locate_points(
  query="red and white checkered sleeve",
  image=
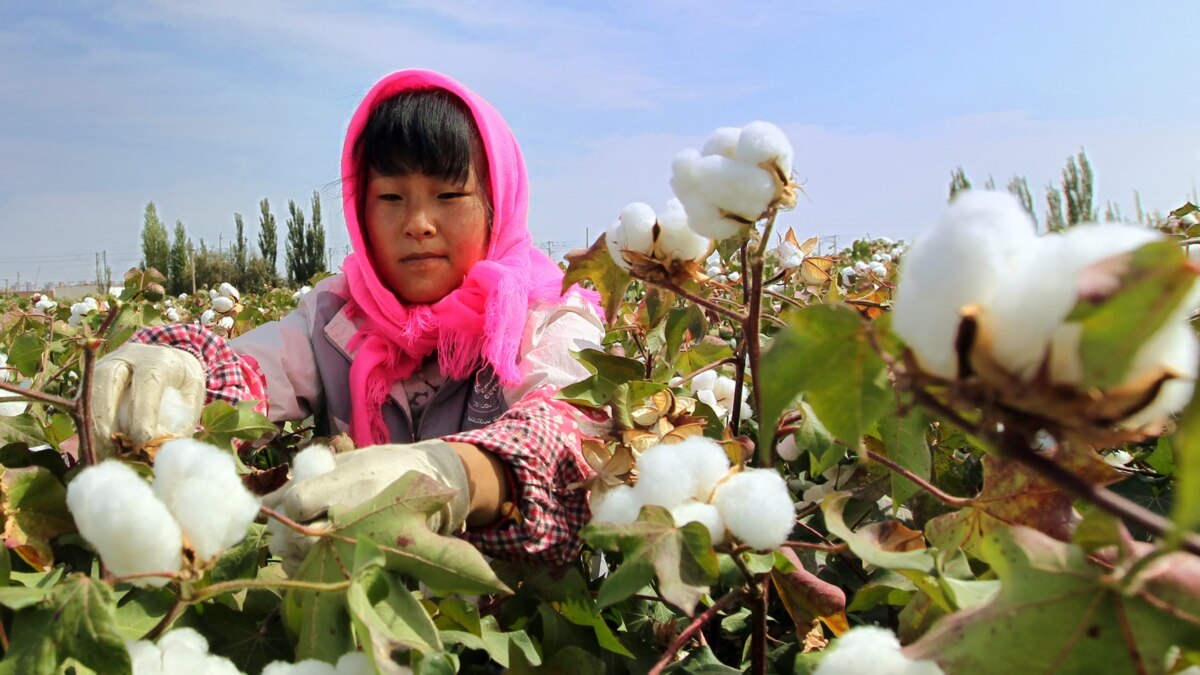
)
(231, 376)
(539, 441)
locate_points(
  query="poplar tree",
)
(239, 243)
(1019, 188)
(178, 264)
(1055, 222)
(316, 239)
(1077, 188)
(296, 249)
(155, 247)
(268, 241)
(958, 182)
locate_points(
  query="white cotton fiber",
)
(869, 649)
(145, 657)
(305, 667)
(227, 290)
(118, 513)
(757, 508)
(315, 460)
(677, 241)
(704, 459)
(199, 484)
(1174, 349)
(734, 187)
(962, 261)
(761, 143)
(632, 231)
(222, 304)
(619, 505)
(724, 141)
(176, 415)
(698, 512)
(664, 479)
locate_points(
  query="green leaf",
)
(35, 511)
(243, 560)
(140, 610)
(654, 307)
(683, 324)
(631, 395)
(1162, 460)
(221, 423)
(682, 558)
(708, 349)
(496, 643)
(865, 543)
(250, 642)
(566, 661)
(1058, 612)
(76, 621)
(1153, 280)
(387, 617)
(26, 354)
(19, 456)
(597, 266)
(609, 372)
(396, 520)
(826, 354)
(320, 619)
(904, 438)
(1186, 443)
(823, 451)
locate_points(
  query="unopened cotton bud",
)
(756, 507)
(118, 513)
(199, 484)
(222, 304)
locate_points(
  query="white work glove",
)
(360, 475)
(146, 392)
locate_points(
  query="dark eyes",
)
(452, 195)
(393, 197)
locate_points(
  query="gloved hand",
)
(361, 475)
(131, 394)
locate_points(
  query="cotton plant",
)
(82, 309)
(184, 650)
(729, 184)
(196, 502)
(717, 391)
(45, 303)
(10, 408)
(1019, 290)
(693, 479)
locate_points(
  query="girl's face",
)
(424, 233)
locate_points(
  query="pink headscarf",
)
(480, 321)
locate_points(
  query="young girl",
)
(438, 349)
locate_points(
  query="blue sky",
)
(207, 107)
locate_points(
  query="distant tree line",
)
(189, 266)
(1070, 202)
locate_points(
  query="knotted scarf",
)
(482, 321)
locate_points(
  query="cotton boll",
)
(724, 141)
(756, 507)
(207, 317)
(705, 514)
(677, 241)
(226, 323)
(761, 143)
(172, 315)
(199, 484)
(227, 290)
(961, 261)
(632, 231)
(724, 388)
(222, 304)
(869, 649)
(1175, 349)
(117, 512)
(145, 657)
(736, 188)
(704, 459)
(220, 665)
(620, 505)
(315, 460)
(788, 255)
(175, 414)
(663, 477)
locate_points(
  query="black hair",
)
(429, 131)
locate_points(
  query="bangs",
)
(428, 131)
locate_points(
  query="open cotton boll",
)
(222, 304)
(762, 143)
(704, 459)
(1176, 349)
(117, 512)
(677, 241)
(314, 460)
(186, 651)
(207, 317)
(724, 141)
(227, 290)
(664, 478)
(199, 484)
(357, 663)
(963, 260)
(705, 514)
(145, 657)
(305, 667)
(632, 231)
(870, 649)
(741, 189)
(703, 216)
(620, 505)
(756, 507)
(226, 323)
